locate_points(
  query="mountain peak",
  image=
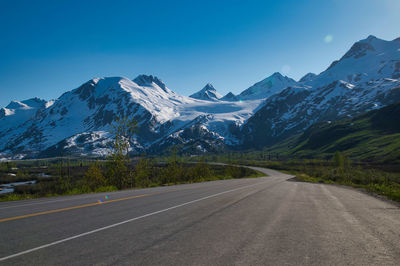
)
(267, 87)
(230, 97)
(308, 77)
(209, 87)
(361, 48)
(207, 93)
(277, 75)
(370, 38)
(17, 105)
(35, 102)
(146, 80)
(26, 104)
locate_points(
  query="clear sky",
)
(49, 47)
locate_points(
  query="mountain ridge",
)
(362, 80)
(275, 108)
(374, 135)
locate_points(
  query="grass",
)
(391, 191)
(74, 191)
(365, 176)
(373, 136)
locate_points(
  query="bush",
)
(201, 171)
(117, 172)
(94, 178)
(143, 173)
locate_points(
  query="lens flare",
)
(328, 38)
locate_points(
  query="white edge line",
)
(120, 223)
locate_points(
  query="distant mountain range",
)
(367, 77)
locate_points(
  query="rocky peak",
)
(147, 80)
(230, 97)
(207, 93)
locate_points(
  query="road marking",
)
(74, 197)
(81, 206)
(123, 222)
(46, 202)
(71, 208)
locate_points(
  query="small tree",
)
(174, 169)
(346, 161)
(201, 170)
(143, 173)
(341, 160)
(94, 178)
(63, 183)
(118, 165)
(123, 130)
(338, 160)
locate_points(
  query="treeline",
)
(148, 173)
(108, 176)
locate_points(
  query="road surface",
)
(257, 221)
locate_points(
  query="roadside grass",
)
(379, 179)
(386, 188)
(12, 196)
(74, 191)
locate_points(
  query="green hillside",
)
(372, 136)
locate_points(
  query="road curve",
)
(272, 220)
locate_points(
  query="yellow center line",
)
(87, 205)
(72, 208)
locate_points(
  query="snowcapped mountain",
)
(151, 81)
(24, 108)
(368, 59)
(16, 114)
(267, 87)
(208, 93)
(78, 122)
(230, 97)
(365, 78)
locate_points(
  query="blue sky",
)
(49, 47)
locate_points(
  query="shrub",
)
(94, 178)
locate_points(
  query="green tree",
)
(143, 172)
(63, 184)
(94, 178)
(117, 172)
(174, 170)
(118, 165)
(346, 161)
(123, 129)
(338, 160)
(201, 170)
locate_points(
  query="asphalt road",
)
(260, 221)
